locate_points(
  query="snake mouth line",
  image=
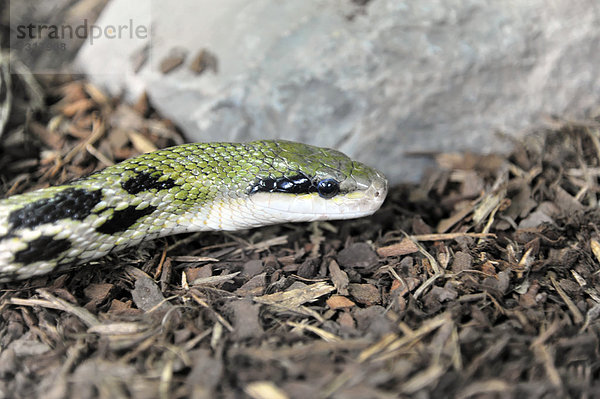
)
(310, 207)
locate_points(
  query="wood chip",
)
(214, 279)
(339, 302)
(296, 297)
(203, 61)
(367, 294)
(175, 59)
(339, 278)
(404, 247)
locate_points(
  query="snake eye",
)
(328, 188)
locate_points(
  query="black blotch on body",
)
(123, 219)
(298, 184)
(71, 203)
(42, 248)
(145, 181)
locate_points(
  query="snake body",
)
(187, 188)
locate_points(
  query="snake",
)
(186, 188)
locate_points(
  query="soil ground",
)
(480, 281)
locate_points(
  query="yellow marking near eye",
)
(353, 195)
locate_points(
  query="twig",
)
(577, 316)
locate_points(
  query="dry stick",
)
(403, 247)
(98, 155)
(303, 310)
(577, 316)
(438, 272)
(594, 137)
(144, 345)
(220, 318)
(429, 282)
(491, 218)
(118, 328)
(166, 378)
(162, 302)
(97, 131)
(591, 291)
(400, 345)
(472, 297)
(88, 318)
(263, 390)
(17, 182)
(214, 279)
(422, 379)
(548, 361)
(582, 191)
(457, 358)
(449, 236)
(189, 345)
(327, 336)
(74, 353)
(399, 278)
(446, 224)
(489, 386)
(216, 336)
(186, 240)
(263, 245)
(594, 171)
(163, 256)
(588, 177)
(434, 264)
(34, 302)
(545, 335)
(591, 315)
(96, 94)
(193, 258)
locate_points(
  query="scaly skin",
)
(192, 187)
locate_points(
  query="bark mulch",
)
(481, 281)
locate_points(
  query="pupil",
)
(328, 188)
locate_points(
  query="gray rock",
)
(375, 81)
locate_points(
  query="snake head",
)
(306, 183)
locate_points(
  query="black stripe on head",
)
(297, 184)
(42, 248)
(123, 219)
(72, 203)
(146, 181)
